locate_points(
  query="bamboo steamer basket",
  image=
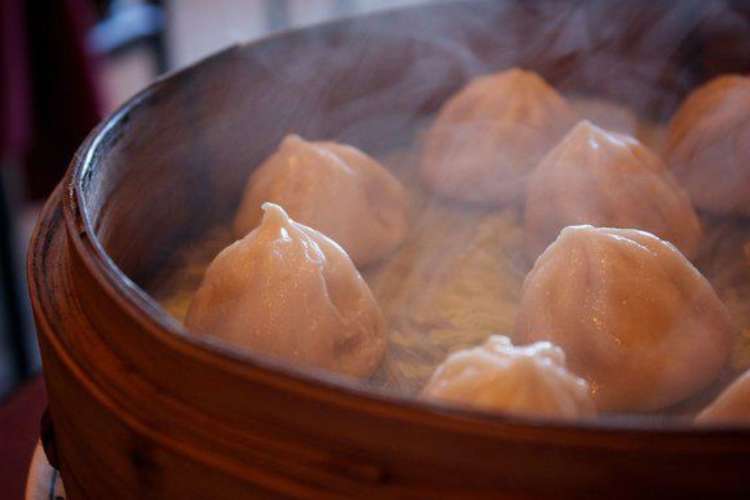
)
(141, 409)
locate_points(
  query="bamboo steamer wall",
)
(142, 410)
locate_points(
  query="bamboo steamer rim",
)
(606, 433)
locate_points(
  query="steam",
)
(639, 60)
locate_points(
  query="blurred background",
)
(65, 65)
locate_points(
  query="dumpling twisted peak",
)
(633, 315)
(531, 380)
(288, 291)
(335, 189)
(490, 135)
(606, 179)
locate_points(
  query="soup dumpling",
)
(606, 179)
(288, 291)
(489, 136)
(708, 145)
(333, 188)
(531, 380)
(633, 315)
(732, 405)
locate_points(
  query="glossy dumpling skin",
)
(732, 406)
(288, 291)
(529, 380)
(489, 136)
(708, 145)
(333, 188)
(633, 315)
(606, 179)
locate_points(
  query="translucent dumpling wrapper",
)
(633, 315)
(708, 145)
(606, 179)
(490, 135)
(529, 380)
(732, 406)
(288, 291)
(334, 188)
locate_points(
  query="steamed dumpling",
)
(530, 380)
(732, 405)
(606, 179)
(335, 189)
(633, 315)
(489, 136)
(288, 291)
(708, 146)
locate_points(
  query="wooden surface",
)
(143, 410)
